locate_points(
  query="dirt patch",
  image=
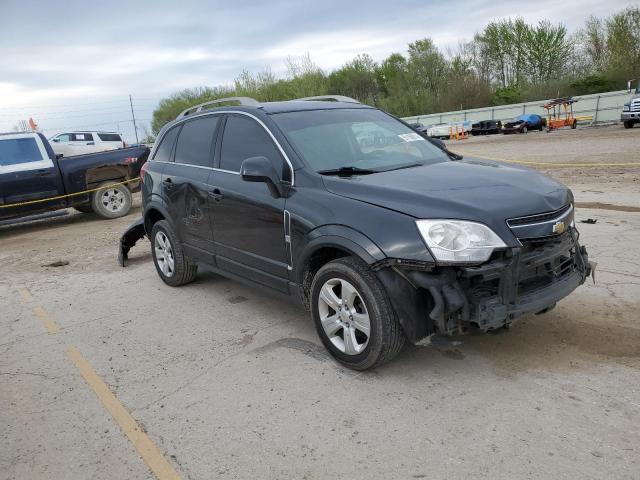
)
(608, 206)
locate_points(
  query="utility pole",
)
(133, 116)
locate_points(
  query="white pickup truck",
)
(80, 143)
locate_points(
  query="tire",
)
(111, 201)
(574, 125)
(368, 305)
(168, 256)
(628, 124)
(87, 208)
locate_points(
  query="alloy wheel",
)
(344, 316)
(113, 200)
(164, 254)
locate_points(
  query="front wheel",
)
(353, 315)
(111, 201)
(628, 124)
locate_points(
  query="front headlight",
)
(626, 108)
(459, 241)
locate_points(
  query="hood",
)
(470, 189)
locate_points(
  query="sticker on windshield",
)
(410, 137)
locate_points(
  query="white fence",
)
(602, 107)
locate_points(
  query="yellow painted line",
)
(25, 295)
(554, 165)
(149, 452)
(44, 317)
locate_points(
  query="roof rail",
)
(335, 98)
(250, 102)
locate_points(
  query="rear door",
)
(248, 222)
(82, 143)
(27, 173)
(185, 185)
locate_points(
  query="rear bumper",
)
(450, 300)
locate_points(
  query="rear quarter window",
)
(109, 137)
(163, 152)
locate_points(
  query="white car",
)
(443, 130)
(80, 143)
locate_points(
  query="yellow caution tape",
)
(42, 200)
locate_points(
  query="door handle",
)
(216, 194)
(44, 173)
(91, 143)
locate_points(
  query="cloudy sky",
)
(72, 65)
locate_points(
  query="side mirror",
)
(55, 140)
(260, 169)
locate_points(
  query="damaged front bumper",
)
(135, 232)
(453, 299)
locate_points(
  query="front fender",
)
(342, 237)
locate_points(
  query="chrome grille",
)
(635, 105)
(538, 217)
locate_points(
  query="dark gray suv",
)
(382, 234)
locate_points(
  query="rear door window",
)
(163, 152)
(195, 142)
(244, 138)
(81, 137)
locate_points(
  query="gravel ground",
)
(229, 382)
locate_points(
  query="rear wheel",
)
(353, 315)
(111, 201)
(168, 257)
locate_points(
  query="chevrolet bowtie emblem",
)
(558, 228)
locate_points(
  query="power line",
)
(54, 105)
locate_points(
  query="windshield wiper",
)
(347, 171)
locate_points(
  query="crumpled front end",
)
(521, 280)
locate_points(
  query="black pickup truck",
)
(34, 180)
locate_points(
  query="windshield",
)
(360, 138)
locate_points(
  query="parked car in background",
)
(31, 173)
(80, 143)
(443, 130)
(384, 242)
(524, 123)
(631, 110)
(486, 127)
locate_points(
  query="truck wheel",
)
(84, 208)
(353, 315)
(168, 257)
(628, 124)
(111, 201)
